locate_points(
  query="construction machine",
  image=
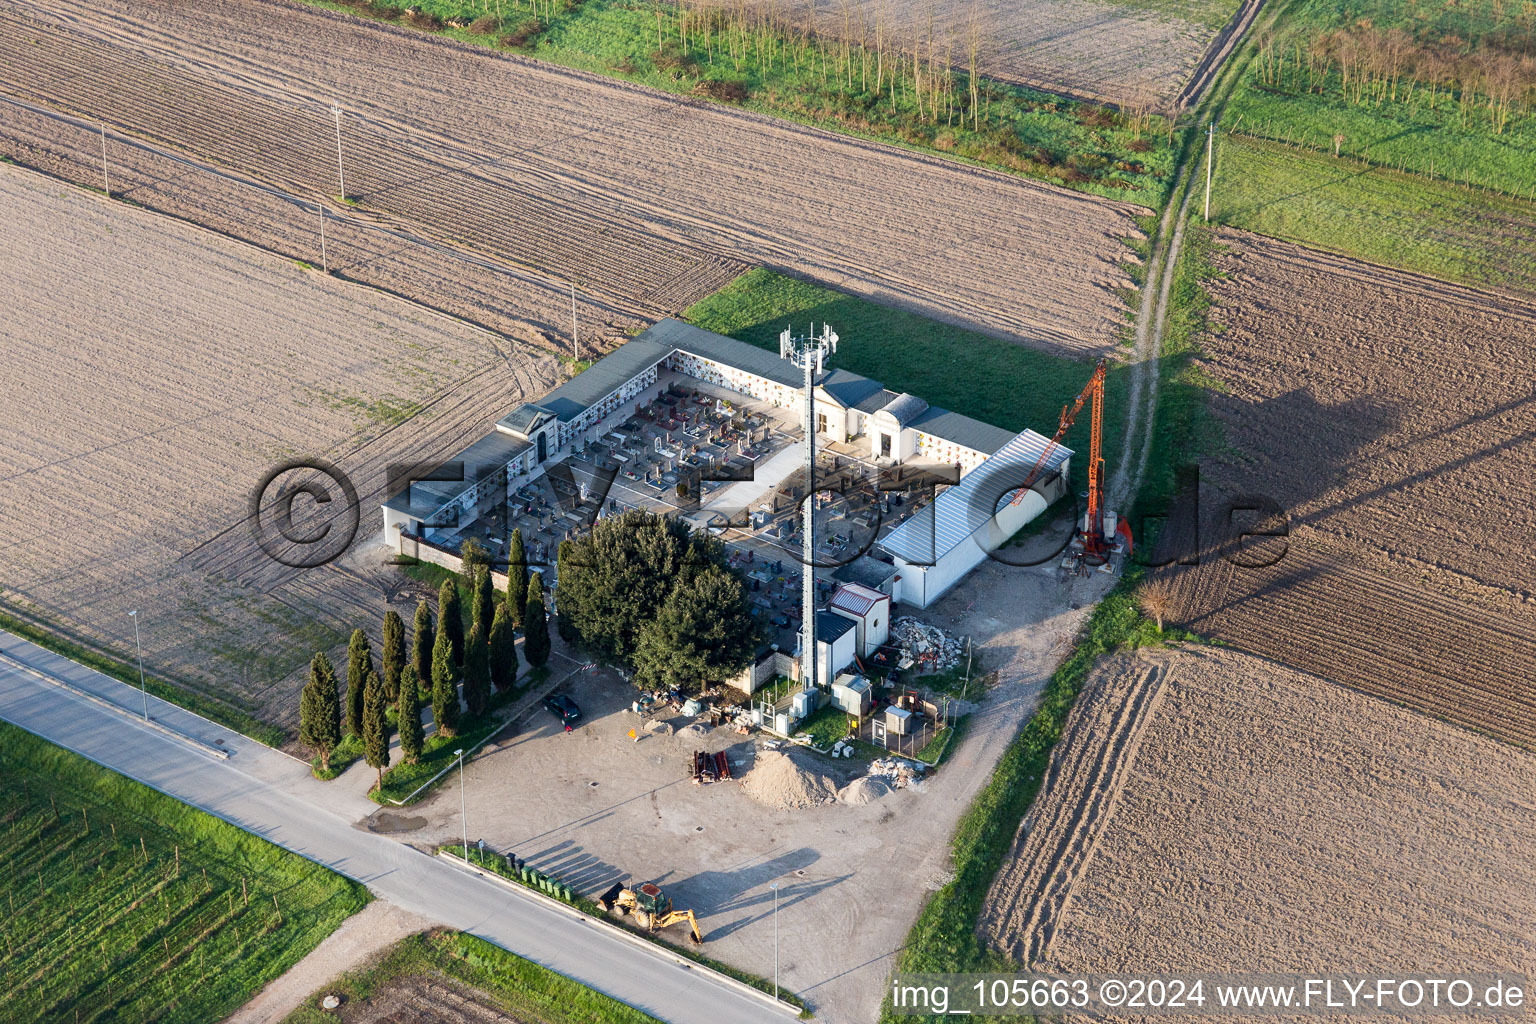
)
(651, 907)
(1096, 547)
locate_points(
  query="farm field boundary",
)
(647, 228)
(1056, 842)
(1403, 402)
(1273, 820)
(437, 277)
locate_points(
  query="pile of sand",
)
(777, 781)
(656, 728)
(863, 790)
(696, 731)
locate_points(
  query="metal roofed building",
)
(870, 612)
(488, 463)
(849, 406)
(951, 535)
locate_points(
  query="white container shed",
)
(953, 533)
(834, 647)
(870, 612)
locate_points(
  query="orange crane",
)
(1095, 545)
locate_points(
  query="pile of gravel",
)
(777, 781)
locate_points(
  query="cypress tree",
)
(501, 651)
(320, 710)
(445, 689)
(563, 599)
(517, 577)
(484, 602)
(477, 672)
(536, 586)
(409, 716)
(450, 620)
(375, 726)
(421, 645)
(359, 664)
(392, 660)
(535, 632)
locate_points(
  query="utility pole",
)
(1210, 148)
(967, 687)
(105, 184)
(463, 813)
(325, 263)
(144, 692)
(775, 887)
(342, 178)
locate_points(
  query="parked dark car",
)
(563, 708)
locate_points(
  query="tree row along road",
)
(264, 791)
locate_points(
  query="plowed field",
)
(1131, 54)
(1394, 419)
(645, 200)
(1211, 811)
(153, 373)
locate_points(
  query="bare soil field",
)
(153, 373)
(1139, 55)
(422, 999)
(1212, 811)
(646, 200)
(1392, 417)
(522, 304)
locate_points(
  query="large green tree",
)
(477, 672)
(392, 658)
(517, 577)
(501, 650)
(320, 710)
(445, 686)
(421, 645)
(359, 664)
(613, 581)
(408, 715)
(450, 619)
(702, 633)
(375, 726)
(484, 602)
(535, 634)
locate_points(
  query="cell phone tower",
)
(809, 352)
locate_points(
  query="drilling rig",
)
(1095, 545)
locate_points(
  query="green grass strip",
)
(520, 988)
(780, 71)
(124, 904)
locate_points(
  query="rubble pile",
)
(863, 790)
(898, 771)
(927, 646)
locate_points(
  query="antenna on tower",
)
(809, 352)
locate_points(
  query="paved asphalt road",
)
(272, 795)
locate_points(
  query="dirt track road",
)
(630, 192)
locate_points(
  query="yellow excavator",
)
(652, 908)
